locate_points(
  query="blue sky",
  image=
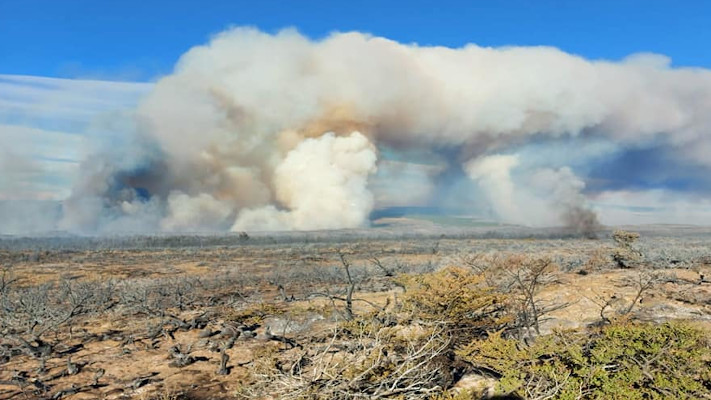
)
(141, 40)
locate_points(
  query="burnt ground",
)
(198, 320)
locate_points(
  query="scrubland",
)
(347, 316)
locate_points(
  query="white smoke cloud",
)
(247, 86)
(494, 174)
(538, 197)
(322, 184)
(202, 212)
(237, 135)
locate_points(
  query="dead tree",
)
(389, 272)
(351, 285)
(7, 278)
(643, 282)
(526, 277)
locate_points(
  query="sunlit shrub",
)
(619, 361)
(457, 299)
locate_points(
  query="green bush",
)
(619, 361)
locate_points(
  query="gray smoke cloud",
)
(255, 131)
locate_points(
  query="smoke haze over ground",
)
(255, 131)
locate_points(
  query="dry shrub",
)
(598, 260)
(521, 278)
(625, 255)
(457, 299)
(374, 363)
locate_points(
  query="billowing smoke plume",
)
(322, 185)
(543, 196)
(494, 175)
(260, 132)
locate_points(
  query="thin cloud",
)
(46, 126)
